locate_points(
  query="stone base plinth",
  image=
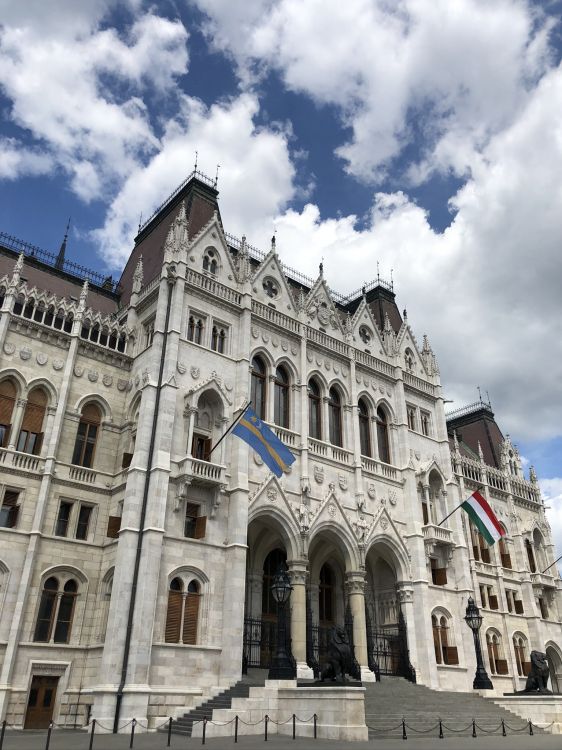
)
(340, 711)
(542, 710)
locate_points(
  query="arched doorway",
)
(267, 545)
(387, 642)
(555, 669)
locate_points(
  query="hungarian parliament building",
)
(137, 559)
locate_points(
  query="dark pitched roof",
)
(476, 424)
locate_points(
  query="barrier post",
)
(315, 727)
(266, 722)
(440, 730)
(474, 727)
(49, 730)
(169, 731)
(2, 732)
(404, 735)
(294, 726)
(204, 729)
(503, 728)
(530, 727)
(236, 728)
(92, 732)
(133, 725)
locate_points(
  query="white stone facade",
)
(360, 515)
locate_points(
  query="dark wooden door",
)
(41, 702)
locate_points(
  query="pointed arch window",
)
(56, 611)
(174, 615)
(281, 400)
(530, 556)
(86, 436)
(409, 360)
(445, 652)
(218, 339)
(364, 428)
(383, 441)
(258, 388)
(498, 664)
(7, 402)
(31, 433)
(335, 417)
(210, 261)
(520, 648)
(314, 410)
(504, 551)
(191, 615)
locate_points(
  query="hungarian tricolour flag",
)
(483, 517)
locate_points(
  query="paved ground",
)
(70, 740)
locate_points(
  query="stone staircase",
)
(388, 701)
(184, 724)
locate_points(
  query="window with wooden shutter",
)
(113, 526)
(7, 402)
(191, 617)
(200, 527)
(190, 524)
(450, 654)
(86, 436)
(518, 607)
(439, 576)
(31, 432)
(493, 601)
(173, 618)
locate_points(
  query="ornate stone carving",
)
(9, 348)
(361, 529)
(392, 497)
(257, 459)
(195, 372)
(93, 376)
(121, 384)
(25, 353)
(271, 494)
(332, 509)
(384, 523)
(41, 358)
(58, 364)
(342, 481)
(372, 490)
(181, 367)
(318, 474)
(107, 380)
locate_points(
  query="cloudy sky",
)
(422, 134)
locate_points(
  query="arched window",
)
(86, 437)
(364, 428)
(314, 410)
(530, 556)
(281, 401)
(480, 546)
(409, 360)
(195, 329)
(326, 596)
(56, 610)
(382, 436)
(540, 558)
(335, 415)
(218, 339)
(520, 648)
(445, 652)
(31, 433)
(175, 606)
(7, 401)
(504, 551)
(191, 616)
(412, 421)
(498, 664)
(210, 261)
(258, 390)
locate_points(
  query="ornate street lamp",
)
(473, 619)
(282, 665)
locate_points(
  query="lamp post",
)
(282, 666)
(473, 619)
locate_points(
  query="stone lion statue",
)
(538, 676)
(339, 656)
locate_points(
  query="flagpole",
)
(550, 566)
(450, 514)
(222, 437)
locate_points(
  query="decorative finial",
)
(195, 165)
(405, 314)
(138, 276)
(391, 279)
(364, 290)
(488, 398)
(59, 263)
(217, 176)
(480, 452)
(378, 275)
(321, 267)
(18, 268)
(84, 294)
(140, 221)
(479, 393)
(273, 243)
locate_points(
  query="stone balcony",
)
(93, 478)
(379, 469)
(197, 471)
(544, 580)
(22, 462)
(437, 536)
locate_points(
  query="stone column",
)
(355, 585)
(189, 413)
(298, 570)
(17, 419)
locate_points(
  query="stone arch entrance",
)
(268, 549)
(555, 668)
(387, 642)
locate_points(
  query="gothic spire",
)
(59, 263)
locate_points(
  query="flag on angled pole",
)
(483, 517)
(264, 441)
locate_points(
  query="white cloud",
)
(77, 88)
(552, 493)
(460, 71)
(255, 171)
(17, 160)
